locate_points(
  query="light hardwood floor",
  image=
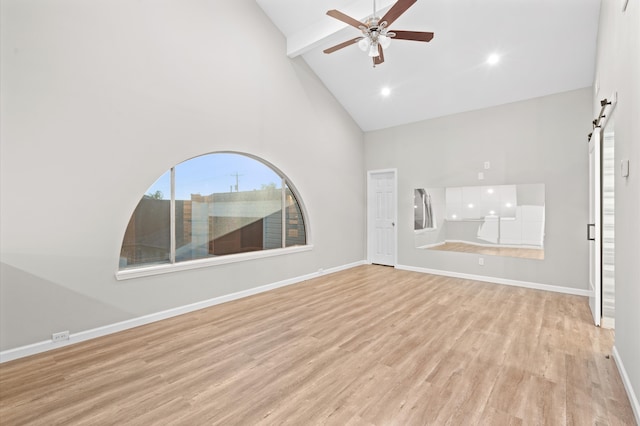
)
(367, 346)
(526, 253)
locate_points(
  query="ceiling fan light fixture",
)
(384, 41)
(373, 50)
(364, 44)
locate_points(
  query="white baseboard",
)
(495, 280)
(608, 323)
(47, 345)
(633, 399)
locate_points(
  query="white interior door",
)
(381, 196)
(594, 232)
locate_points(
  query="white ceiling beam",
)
(325, 27)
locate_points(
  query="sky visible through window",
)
(216, 173)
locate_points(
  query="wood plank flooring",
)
(525, 253)
(367, 346)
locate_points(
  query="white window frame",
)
(174, 266)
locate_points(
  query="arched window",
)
(214, 205)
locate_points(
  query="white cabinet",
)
(478, 202)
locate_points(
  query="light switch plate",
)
(480, 176)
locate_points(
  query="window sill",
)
(147, 271)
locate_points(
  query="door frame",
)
(370, 221)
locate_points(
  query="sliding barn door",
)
(594, 228)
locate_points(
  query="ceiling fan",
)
(376, 35)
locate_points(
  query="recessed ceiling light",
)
(493, 59)
(386, 91)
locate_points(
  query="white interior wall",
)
(541, 140)
(99, 99)
(617, 70)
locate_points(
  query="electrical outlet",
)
(59, 337)
(481, 261)
(487, 165)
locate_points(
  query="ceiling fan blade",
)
(345, 18)
(377, 60)
(396, 10)
(412, 35)
(341, 45)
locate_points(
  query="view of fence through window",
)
(224, 203)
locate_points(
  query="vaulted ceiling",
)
(544, 46)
